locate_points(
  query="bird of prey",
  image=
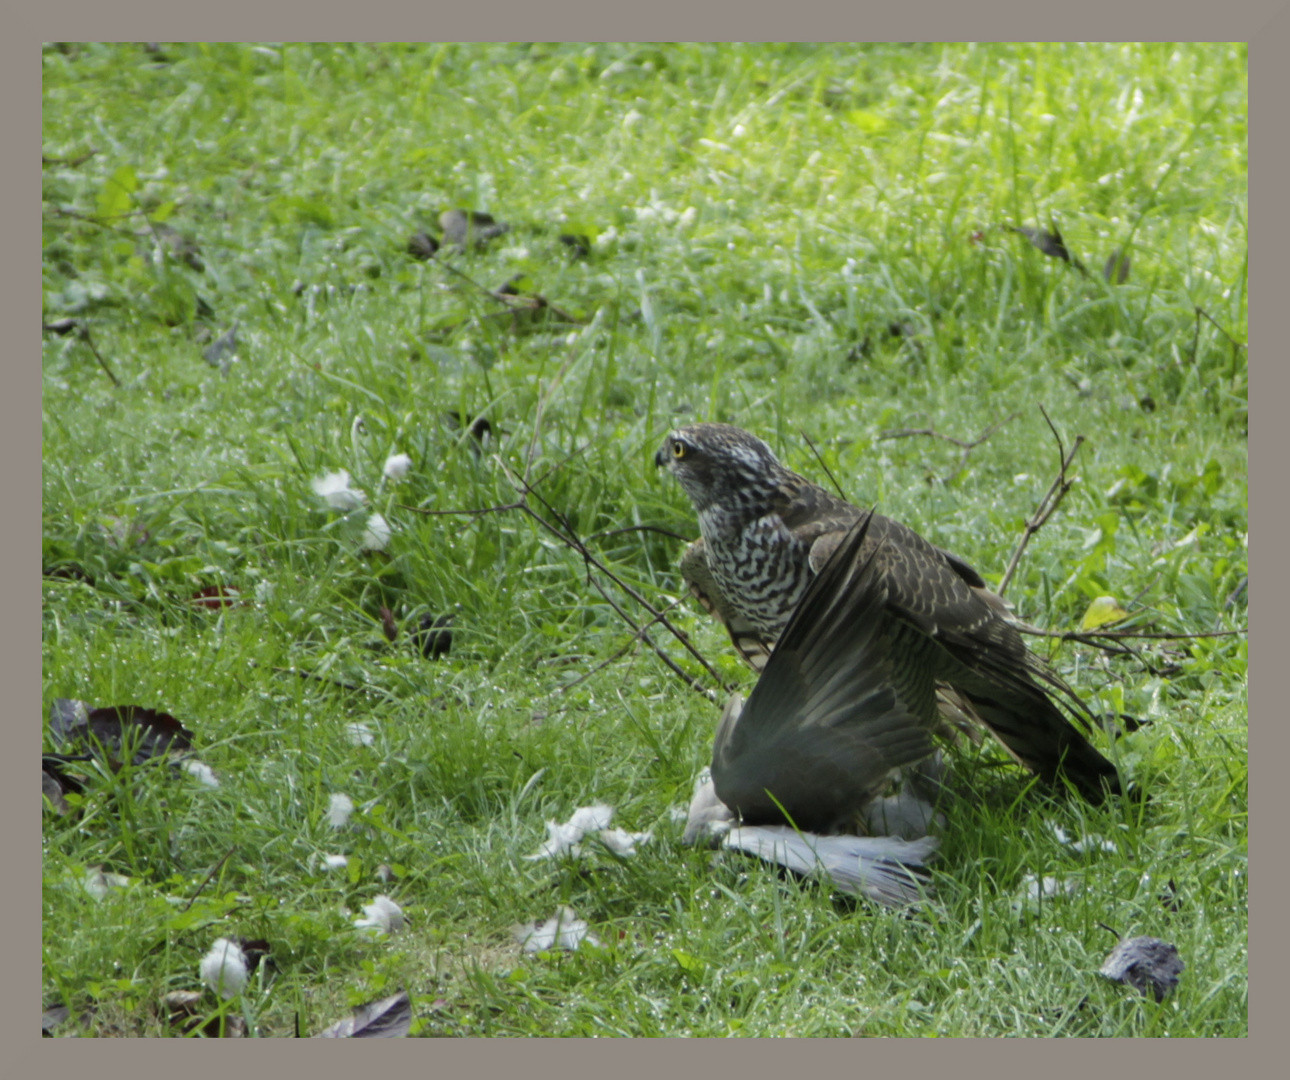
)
(767, 533)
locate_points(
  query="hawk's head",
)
(720, 465)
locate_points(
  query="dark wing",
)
(848, 696)
(748, 641)
(986, 661)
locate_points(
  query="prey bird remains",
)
(945, 642)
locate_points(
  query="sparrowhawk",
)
(767, 532)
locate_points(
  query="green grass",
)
(762, 216)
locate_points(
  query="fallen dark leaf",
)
(1050, 243)
(53, 1017)
(74, 725)
(61, 327)
(1170, 897)
(1148, 404)
(859, 352)
(388, 626)
(422, 246)
(389, 1018)
(478, 426)
(579, 247)
(185, 1009)
(182, 1003)
(219, 353)
(510, 287)
(1149, 965)
(434, 637)
(184, 248)
(71, 163)
(469, 227)
(1122, 724)
(216, 597)
(1116, 270)
(52, 789)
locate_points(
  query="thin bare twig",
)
(827, 472)
(637, 636)
(1103, 639)
(84, 334)
(1086, 636)
(965, 445)
(636, 528)
(71, 163)
(327, 679)
(562, 463)
(568, 536)
(459, 513)
(642, 632)
(90, 219)
(1149, 586)
(1237, 346)
(514, 305)
(1051, 500)
(471, 281)
(207, 879)
(1202, 313)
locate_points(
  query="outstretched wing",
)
(847, 696)
(984, 657)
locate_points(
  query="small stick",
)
(1085, 636)
(470, 280)
(637, 636)
(689, 681)
(90, 219)
(638, 528)
(69, 162)
(85, 337)
(571, 540)
(459, 513)
(561, 464)
(567, 536)
(1201, 312)
(964, 445)
(832, 479)
(1051, 500)
(1237, 346)
(207, 879)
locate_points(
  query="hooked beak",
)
(659, 459)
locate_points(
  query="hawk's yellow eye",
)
(678, 449)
